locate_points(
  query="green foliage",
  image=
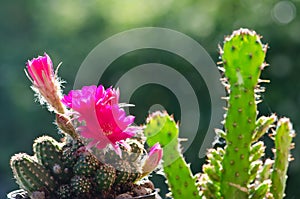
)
(162, 128)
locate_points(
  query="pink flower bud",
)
(40, 72)
(153, 159)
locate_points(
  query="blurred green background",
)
(68, 30)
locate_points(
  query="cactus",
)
(81, 186)
(105, 177)
(86, 165)
(69, 170)
(243, 56)
(64, 192)
(30, 175)
(49, 154)
(238, 170)
(283, 143)
(162, 128)
(243, 172)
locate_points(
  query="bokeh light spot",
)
(284, 12)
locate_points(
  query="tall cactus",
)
(238, 170)
(243, 56)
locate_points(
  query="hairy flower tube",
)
(104, 122)
(153, 159)
(45, 84)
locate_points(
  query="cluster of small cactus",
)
(101, 153)
(239, 169)
(68, 169)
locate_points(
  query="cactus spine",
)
(162, 128)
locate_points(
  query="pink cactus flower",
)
(41, 74)
(153, 159)
(105, 122)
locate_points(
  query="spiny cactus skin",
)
(64, 192)
(243, 55)
(71, 151)
(162, 128)
(86, 165)
(105, 177)
(48, 153)
(81, 186)
(30, 175)
(283, 143)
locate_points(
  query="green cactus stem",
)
(162, 128)
(30, 175)
(283, 143)
(243, 56)
(49, 153)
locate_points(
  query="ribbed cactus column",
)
(243, 56)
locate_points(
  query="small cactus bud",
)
(66, 125)
(153, 159)
(45, 83)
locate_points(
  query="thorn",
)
(225, 98)
(258, 101)
(222, 69)
(263, 81)
(57, 68)
(220, 49)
